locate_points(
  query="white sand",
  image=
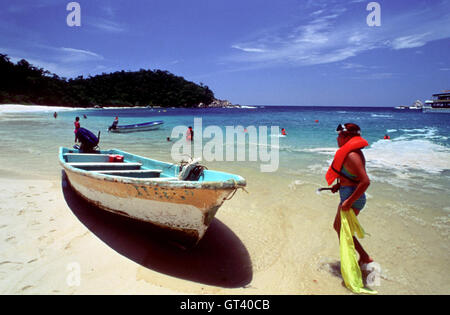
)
(15, 108)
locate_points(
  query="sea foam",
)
(405, 155)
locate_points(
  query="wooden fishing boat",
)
(151, 125)
(149, 190)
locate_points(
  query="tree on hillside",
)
(24, 83)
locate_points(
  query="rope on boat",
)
(236, 187)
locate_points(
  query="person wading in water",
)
(349, 167)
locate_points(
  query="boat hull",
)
(179, 209)
(137, 127)
(437, 110)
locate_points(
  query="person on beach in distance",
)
(190, 134)
(77, 127)
(55, 114)
(352, 178)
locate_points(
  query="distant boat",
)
(439, 104)
(152, 125)
(248, 107)
(151, 191)
(417, 105)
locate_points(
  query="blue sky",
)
(289, 52)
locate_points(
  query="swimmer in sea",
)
(190, 134)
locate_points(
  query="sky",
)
(250, 52)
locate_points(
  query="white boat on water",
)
(418, 105)
(439, 104)
(248, 107)
(152, 125)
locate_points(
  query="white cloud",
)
(335, 33)
(247, 49)
(411, 41)
(106, 25)
(63, 61)
(81, 52)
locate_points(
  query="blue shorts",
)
(346, 191)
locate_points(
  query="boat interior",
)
(106, 165)
(119, 163)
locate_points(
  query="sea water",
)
(416, 159)
(410, 174)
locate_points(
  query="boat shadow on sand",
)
(219, 259)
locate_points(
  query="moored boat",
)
(417, 105)
(439, 104)
(150, 190)
(151, 125)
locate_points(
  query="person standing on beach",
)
(349, 167)
(77, 127)
(55, 114)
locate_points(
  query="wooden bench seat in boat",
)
(133, 173)
(106, 166)
(86, 157)
(141, 174)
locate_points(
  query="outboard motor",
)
(88, 140)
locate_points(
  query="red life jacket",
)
(353, 144)
(189, 135)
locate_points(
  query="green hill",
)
(23, 83)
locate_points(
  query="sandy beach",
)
(46, 229)
(278, 239)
